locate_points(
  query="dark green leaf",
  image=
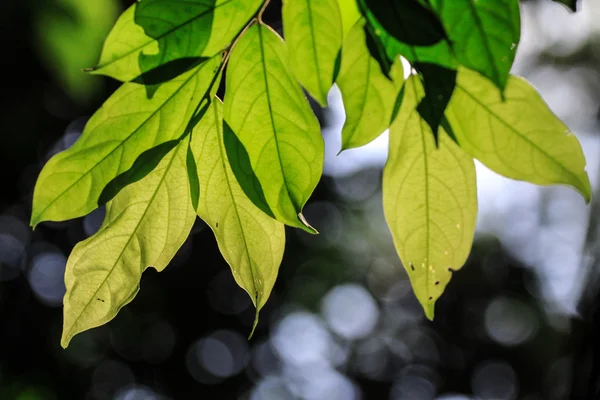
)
(192, 171)
(484, 34)
(142, 166)
(439, 83)
(378, 51)
(408, 21)
(571, 4)
(438, 53)
(241, 167)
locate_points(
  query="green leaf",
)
(69, 36)
(272, 119)
(436, 63)
(313, 32)
(145, 225)
(438, 53)
(484, 33)
(155, 32)
(439, 83)
(128, 124)
(520, 137)
(251, 242)
(368, 96)
(350, 14)
(429, 200)
(570, 4)
(408, 21)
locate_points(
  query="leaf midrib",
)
(484, 37)
(426, 192)
(276, 139)
(237, 215)
(136, 49)
(314, 48)
(525, 138)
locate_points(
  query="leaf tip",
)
(306, 226)
(254, 325)
(429, 309)
(586, 189)
(34, 221)
(65, 340)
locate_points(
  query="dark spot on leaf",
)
(99, 299)
(437, 283)
(412, 267)
(430, 298)
(217, 225)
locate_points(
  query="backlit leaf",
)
(145, 225)
(129, 123)
(271, 119)
(368, 96)
(350, 14)
(250, 241)
(155, 32)
(313, 32)
(435, 63)
(484, 33)
(520, 137)
(429, 200)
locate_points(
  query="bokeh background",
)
(519, 321)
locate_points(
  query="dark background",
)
(342, 322)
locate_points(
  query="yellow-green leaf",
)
(520, 137)
(129, 123)
(429, 200)
(145, 225)
(368, 96)
(350, 14)
(251, 242)
(141, 41)
(274, 125)
(313, 32)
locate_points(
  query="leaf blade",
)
(195, 28)
(368, 96)
(485, 34)
(429, 200)
(313, 31)
(128, 123)
(139, 231)
(536, 146)
(251, 242)
(272, 120)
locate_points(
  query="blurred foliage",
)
(70, 34)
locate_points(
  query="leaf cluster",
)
(164, 149)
